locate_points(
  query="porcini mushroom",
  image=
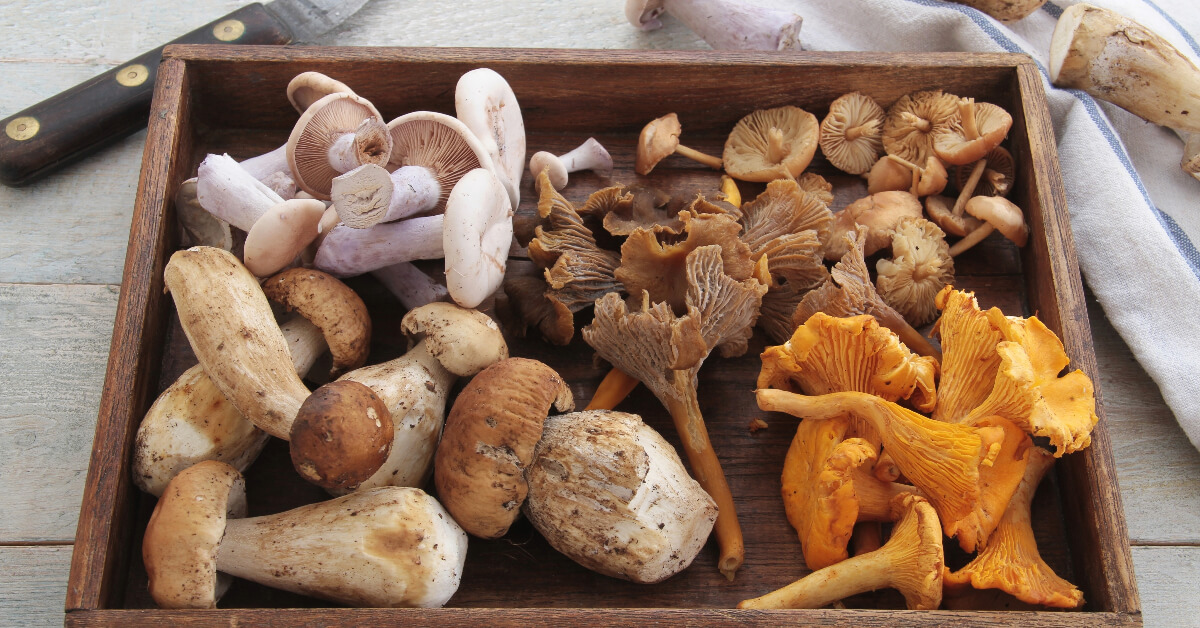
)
(771, 144)
(723, 24)
(489, 440)
(485, 102)
(612, 494)
(386, 547)
(920, 266)
(590, 155)
(1005, 10)
(659, 139)
(335, 134)
(879, 213)
(911, 561)
(851, 133)
(997, 214)
(908, 127)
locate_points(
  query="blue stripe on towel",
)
(1054, 10)
(1182, 243)
(1176, 25)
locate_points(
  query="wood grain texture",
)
(53, 340)
(32, 583)
(1168, 578)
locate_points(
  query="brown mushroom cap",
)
(658, 139)
(309, 87)
(851, 133)
(920, 267)
(342, 435)
(321, 125)
(908, 128)
(489, 439)
(998, 174)
(184, 532)
(888, 175)
(330, 305)
(968, 137)
(440, 143)
(771, 144)
(879, 213)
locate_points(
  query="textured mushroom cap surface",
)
(879, 213)
(998, 174)
(915, 547)
(908, 128)
(342, 435)
(330, 305)
(816, 185)
(281, 234)
(658, 139)
(439, 142)
(464, 341)
(919, 268)
(969, 357)
(489, 439)
(960, 140)
(307, 88)
(1011, 561)
(476, 237)
(771, 144)
(485, 102)
(1002, 214)
(185, 530)
(851, 133)
(613, 495)
(322, 124)
(828, 354)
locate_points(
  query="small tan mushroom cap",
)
(440, 143)
(330, 305)
(816, 185)
(908, 128)
(658, 139)
(771, 144)
(464, 341)
(341, 436)
(309, 87)
(851, 134)
(918, 270)
(879, 213)
(489, 440)
(1002, 214)
(967, 138)
(322, 124)
(185, 530)
(281, 234)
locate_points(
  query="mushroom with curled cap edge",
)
(281, 234)
(431, 152)
(770, 144)
(723, 24)
(997, 214)
(1121, 61)
(485, 102)
(233, 333)
(892, 173)
(336, 134)
(911, 561)
(920, 266)
(908, 127)
(476, 237)
(307, 88)
(879, 213)
(590, 155)
(997, 176)
(659, 139)
(652, 516)
(851, 133)
(388, 547)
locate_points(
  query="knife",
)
(115, 104)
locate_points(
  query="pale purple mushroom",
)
(590, 155)
(485, 102)
(723, 24)
(410, 285)
(230, 193)
(273, 171)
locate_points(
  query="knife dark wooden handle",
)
(106, 108)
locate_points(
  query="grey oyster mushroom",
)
(388, 547)
(485, 102)
(590, 155)
(723, 24)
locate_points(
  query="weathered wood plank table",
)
(62, 246)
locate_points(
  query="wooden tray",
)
(231, 99)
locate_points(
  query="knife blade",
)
(75, 123)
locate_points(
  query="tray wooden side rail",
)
(230, 99)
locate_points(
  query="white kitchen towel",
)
(1134, 213)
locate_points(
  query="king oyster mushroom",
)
(485, 102)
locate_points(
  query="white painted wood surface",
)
(62, 246)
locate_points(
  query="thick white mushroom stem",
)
(352, 150)
(231, 193)
(346, 251)
(369, 195)
(590, 155)
(724, 24)
(273, 171)
(388, 547)
(412, 287)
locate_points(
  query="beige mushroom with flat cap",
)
(590, 155)
(485, 102)
(920, 266)
(851, 133)
(336, 134)
(1121, 61)
(769, 144)
(388, 547)
(908, 127)
(660, 139)
(997, 214)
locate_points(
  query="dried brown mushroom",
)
(879, 213)
(851, 133)
(919, 268)
(816, 185)
(771, 144)
(908, 128)
(659, 139)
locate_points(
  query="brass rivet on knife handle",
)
(133, 75)
(229, 30)
(23, 128)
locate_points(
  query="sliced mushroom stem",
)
(346, 251)
(231, 193)
(412, 287)
(351, 150)
(972, 238)
(369, 195)
(695, 155)
(613, 389)
(689, 423)
(969, 187)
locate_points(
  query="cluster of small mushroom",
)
(968, 470)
